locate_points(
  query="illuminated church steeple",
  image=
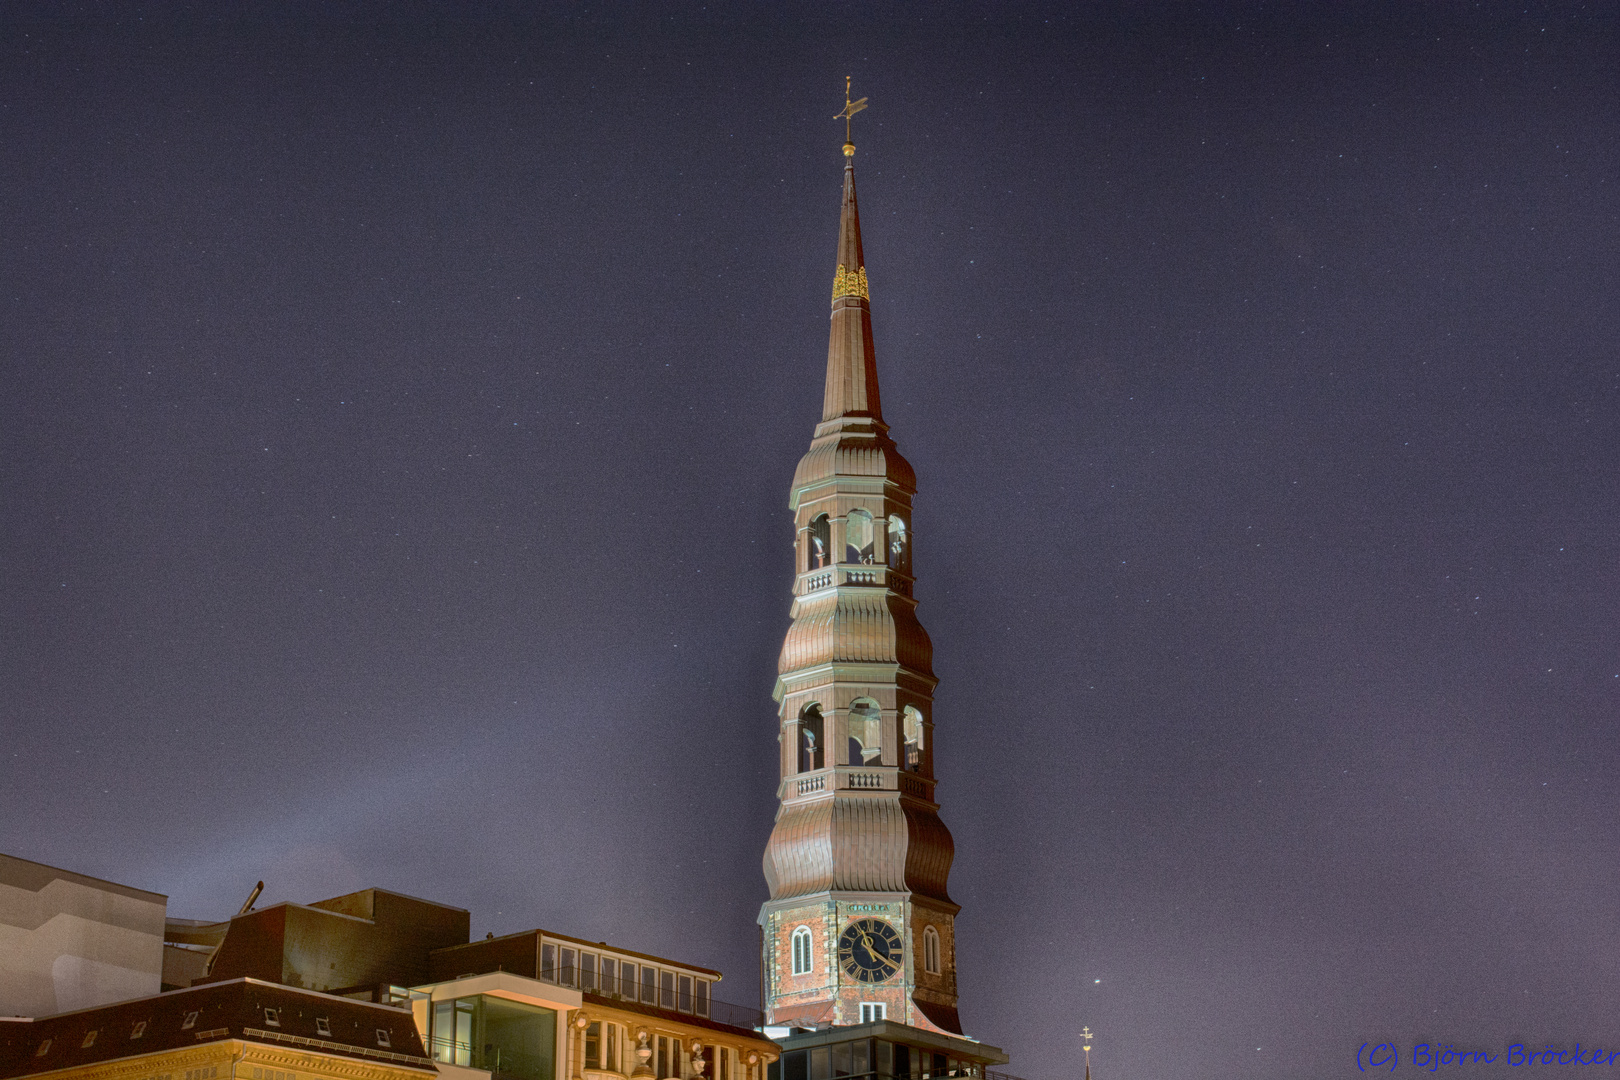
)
(859, 925)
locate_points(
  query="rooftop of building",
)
(247, 1009)
(33, 876)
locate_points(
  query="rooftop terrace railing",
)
(684, 995)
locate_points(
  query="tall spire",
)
(852, 384)
(860, 922)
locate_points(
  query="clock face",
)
(869, 950)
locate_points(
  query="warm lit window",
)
(930, 950)
(801, 951)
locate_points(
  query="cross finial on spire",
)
(1085, 1033)
(850, 109)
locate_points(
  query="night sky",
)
(400, 405)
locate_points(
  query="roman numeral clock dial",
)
(869, 951)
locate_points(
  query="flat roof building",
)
(70, 941)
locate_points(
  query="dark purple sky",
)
(400, 408)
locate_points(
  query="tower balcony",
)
(856, 778)
(857, 575)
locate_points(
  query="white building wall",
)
(69, 942)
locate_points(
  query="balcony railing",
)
(694, 999)
(865, 574)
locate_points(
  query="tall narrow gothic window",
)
(930, 950)
(801, 951)
(858, 537)
(812, 749)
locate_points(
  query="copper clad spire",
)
(852, 384)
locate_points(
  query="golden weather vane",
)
(1085, 1033)
(850, 109)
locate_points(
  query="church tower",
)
(859, 925)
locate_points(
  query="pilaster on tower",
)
(859, 921)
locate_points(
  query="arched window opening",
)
(858, 537)
(801, 951)
(865, 731)
(899, 544)
(820, 541)
(911, 728)
(812, 748)
(930, 950)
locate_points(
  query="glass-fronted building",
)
(880, 1051)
